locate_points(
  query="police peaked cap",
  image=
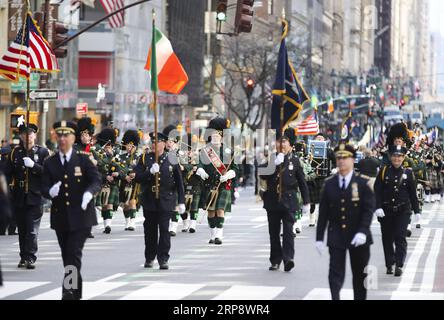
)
(31, 127)
(65, 127)
(345, 150)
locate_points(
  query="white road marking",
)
(430, 266)
(163, 291)
(324, 294)
(13, 287)
(249, 293)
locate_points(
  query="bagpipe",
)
(317, 156)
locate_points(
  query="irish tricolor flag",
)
(167, 73)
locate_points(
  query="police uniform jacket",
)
(81, 176)
(395, 190)
(345, 213)
(15, 170)
(171, 185)
(292, 182)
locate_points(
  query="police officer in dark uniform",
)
(346, 211)
(396, 197)
(5, 210)
(24, 168)
(158, 211)
(280, 201)
(70, 179)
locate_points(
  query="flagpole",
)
(156, 152)
(281, 129)
(26, 30)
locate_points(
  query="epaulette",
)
(83, 152)
(329, 178)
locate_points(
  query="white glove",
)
(334, 171)
(380, 213)
(417, 218)
(359, 240)
(320, 247)
(55, 189)
(306, 209)
(28, 162)
(227, 176)
(87, 197)
(236, 195)
(279, 159)
(181, 208)
(154, 168)
(202, 174)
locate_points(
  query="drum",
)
(317, 152)
(420, 193)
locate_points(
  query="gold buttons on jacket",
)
(342, 209)
(344, 226)
(342, 200)
(67, 203)
(66, 185)
(65, 176)
(66, 194)
(343, 217)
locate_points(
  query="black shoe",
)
(274, 267)
(211, 241)
(172, 233)
(131, 229)
(409, 233)
(217, 241)
(398, 272)
(21, 264)
(312, 225)
(163, 266)
(191, 230)
(298, 230)
(288, 265)
(389, 270)
(418, 226)
(126, 229)
(12, 233)
(68, 295)
(30, 265)
(149, 264)
(90, 236)
(107, 230)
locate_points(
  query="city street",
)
(113, 264)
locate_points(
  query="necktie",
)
(65, 162)
(343, 184)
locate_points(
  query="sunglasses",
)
(62, 135)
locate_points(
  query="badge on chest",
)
(77, 172)
(355, 192)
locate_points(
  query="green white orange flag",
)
(164, 65)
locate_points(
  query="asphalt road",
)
(113, 264)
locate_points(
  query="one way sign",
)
(44, 94)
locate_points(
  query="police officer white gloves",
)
(55, 189)
(154, 168)
(279, 159)
(334, 171)
(417, 218)
(181, 208)
(320, 247)
(236, 194)
(380, 213)
(359, 240)
(28, 162)
(306, 208)
(202, 174)
(87, 197)
(228, 176)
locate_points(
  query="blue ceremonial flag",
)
(287, 89)
(346, 128)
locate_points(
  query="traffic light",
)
(249, 88)
(244, 16)
(221, 11)
(59, 35)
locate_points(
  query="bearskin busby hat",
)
(131, 136)
(168, 130)
(85, 124)
(398, 131)
(107, 135)
(219, 124)
(290, 135)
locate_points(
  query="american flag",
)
(309, 127)
(381, 140)
(117, 20)
(29, 51)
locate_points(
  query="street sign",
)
(82, 108)
(21, 84)
(44, 94)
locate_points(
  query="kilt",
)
(195, 203)
(315, 187)
(434, 178)
(113, 197)
(223, 201)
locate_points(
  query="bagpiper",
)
(129, 190)
(218, 169)
(110, 170)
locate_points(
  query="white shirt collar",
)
(68, 155)
(347, 178)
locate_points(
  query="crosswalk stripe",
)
(13, 287)
(430, 266)
(412, 264)
(163, 291)
(324, 294)
(249, 293)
